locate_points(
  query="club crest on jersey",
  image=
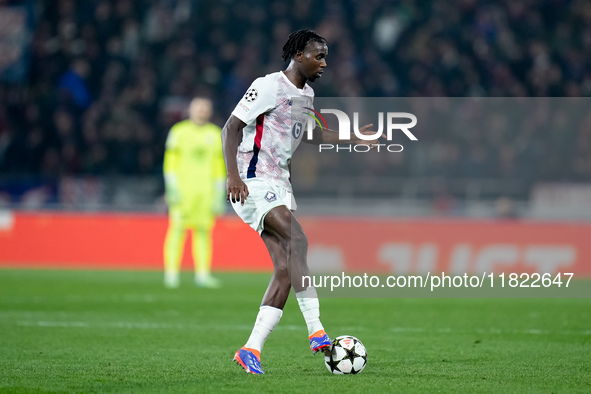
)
(270, 197)
(296, 130)
(251, 95)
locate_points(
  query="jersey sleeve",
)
(171, 166)
(219, 167)
(258, 99)
(219, 177)
(171, 152)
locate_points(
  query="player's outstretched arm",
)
(236, 189)
(321, 136)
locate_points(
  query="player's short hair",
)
(297, 41)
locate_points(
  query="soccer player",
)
(269, 119)
(194, 176)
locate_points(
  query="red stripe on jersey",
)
(259, 130)
(256, 148)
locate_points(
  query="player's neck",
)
(295, 77)
(199, 122)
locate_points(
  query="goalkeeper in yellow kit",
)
(194, 176)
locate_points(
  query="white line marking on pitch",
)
(146, 325)
(530, 331)
(157, 326)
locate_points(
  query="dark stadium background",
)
(88, 99)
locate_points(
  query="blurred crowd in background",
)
(103, 80)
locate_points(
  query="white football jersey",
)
(274, 111)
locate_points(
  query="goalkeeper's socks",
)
(172, 279)
(310, 307)
(267, 320)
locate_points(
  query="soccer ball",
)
(348, 356)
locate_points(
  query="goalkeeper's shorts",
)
(199, 214)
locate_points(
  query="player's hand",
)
(172, 199)
(218, 207)
(236, 190)
(365, 131)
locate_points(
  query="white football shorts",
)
(263, 196)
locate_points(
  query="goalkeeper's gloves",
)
(172, 193)
(219, 198)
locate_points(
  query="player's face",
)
(200, 110)
(314, 60)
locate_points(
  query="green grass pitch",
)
(107, 331)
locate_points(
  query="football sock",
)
(173, 248)
(267, 320)
(310, 307)
(202, 251)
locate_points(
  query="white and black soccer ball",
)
(348, 356)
